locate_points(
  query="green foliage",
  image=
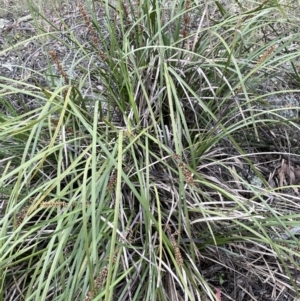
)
(128, 172)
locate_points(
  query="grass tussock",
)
(142, 156)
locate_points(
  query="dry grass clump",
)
(15, 8)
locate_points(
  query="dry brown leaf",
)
(281, 174)
(287, 171)
(235, 177)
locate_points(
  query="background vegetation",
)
(149, 150)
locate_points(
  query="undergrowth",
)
(145, 162)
